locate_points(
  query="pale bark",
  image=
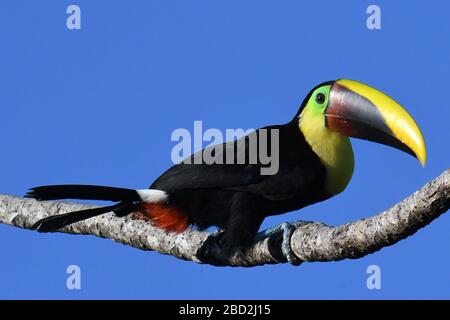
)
(311, 241)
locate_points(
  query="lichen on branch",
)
(311, 241)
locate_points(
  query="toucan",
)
(316, 162)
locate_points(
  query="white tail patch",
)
(152, 195)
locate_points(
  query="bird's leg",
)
(240, 231)
(285, 230)
(211, 247)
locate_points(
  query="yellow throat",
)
(333, 149)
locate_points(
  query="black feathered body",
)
(237, 197)
(234, 196)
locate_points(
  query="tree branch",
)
(311, 241)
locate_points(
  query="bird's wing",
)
(299, 171)
(194, 173)
(297, 179)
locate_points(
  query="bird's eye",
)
(320, 98)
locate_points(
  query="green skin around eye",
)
(325, 90)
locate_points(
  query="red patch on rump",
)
(171, 219)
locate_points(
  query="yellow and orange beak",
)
(357, 110)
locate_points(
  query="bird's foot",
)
(288, 229)
(285, 229)
(211, 248)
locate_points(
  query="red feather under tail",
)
(171, 219)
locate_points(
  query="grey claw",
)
(288, 229)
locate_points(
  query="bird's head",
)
(354, 109)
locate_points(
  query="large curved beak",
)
(357, 110)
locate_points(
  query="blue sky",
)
(98, 106)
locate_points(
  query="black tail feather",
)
(53, 223)
(83, 192)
